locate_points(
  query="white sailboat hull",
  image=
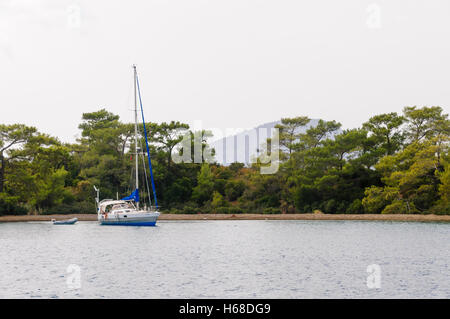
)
(129, 219)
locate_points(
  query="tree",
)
(169, 135)
(94, 121)
(289, 131)
(376, 199)
(425, 122)
(205, 185)
(218, 201)
(443, 205)
(393, 164)
(330, 176)
(194, 147)
(410, 178)
(12, 136)
(346, 145)
(103, 161)
(180, 190)
(316, 134)
(38, 173)
(234, 189)
(385, 130)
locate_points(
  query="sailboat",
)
(128, 211)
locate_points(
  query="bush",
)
(268, 200)
(341, 208)
(73, 208)
(398, 207)
(305, 196)
(375, 200)
(189, 208)
(229, 210)
(9, 206)
(441, 208)
(330, 206)
(307, 209)
(222, 210)
(219, 185)
(247, 206)
(271, 210)
(355, 207)
(218, 201)
(234, 189)
(235, 210)
(291, 209)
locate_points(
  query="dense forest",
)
(393, 164)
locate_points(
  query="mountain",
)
(244, 146)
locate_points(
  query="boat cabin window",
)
(122, 206)
(125, 205)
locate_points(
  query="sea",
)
(226, 259)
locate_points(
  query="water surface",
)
(225, 259)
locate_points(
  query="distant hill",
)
(242, 147)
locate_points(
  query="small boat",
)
(132, 210)
(65, 221)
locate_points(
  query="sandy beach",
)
(387, 217)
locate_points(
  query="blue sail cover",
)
(134, 196)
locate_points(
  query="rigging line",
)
(145, 172)
(146, 182)
(131, 180)
(146, 142)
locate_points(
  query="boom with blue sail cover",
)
(133, 196)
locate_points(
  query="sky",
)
(226, 63)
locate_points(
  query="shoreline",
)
(365, 217)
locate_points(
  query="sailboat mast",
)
(135, 131)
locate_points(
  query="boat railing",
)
(105, 200)
(153, 208)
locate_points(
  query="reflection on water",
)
(225, 259)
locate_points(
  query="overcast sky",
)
(229, 63)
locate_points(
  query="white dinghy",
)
(65, 221)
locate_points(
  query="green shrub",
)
(189, 208)
(218, 201)
(398, 207)
(375, 200)
(355, 207)
(271, 210)
(268, 200)
(441, 208)
(73, 208)
(222, 210)
(9, 205)
(235, 210)
(229, 210)
(234, 189)
(247, 206)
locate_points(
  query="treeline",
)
(392, 164)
